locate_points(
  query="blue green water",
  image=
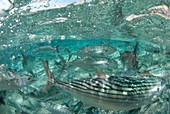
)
(48, 33)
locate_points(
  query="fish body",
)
(97, 50)
(89, 63)
(46, 52)
(46, 49)
(113, 92)
(15, 82)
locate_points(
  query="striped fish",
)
(113, 92)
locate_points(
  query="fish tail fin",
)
(58, 64)
(25, 64)
(69, 54)
(23, 58)
(32, 73)
(136, 48)
(63, 64)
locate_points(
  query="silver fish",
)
(113, 92)
(46, 52)
(89, 63)
(94, 51)
(16, 82)
(46, 49)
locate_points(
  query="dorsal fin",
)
(57, 48)
(136, 48)
(51, 79)
(100, 73)
(23, 55)
(24, 59)
(62, 59)
(48, 71)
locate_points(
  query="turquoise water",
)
(31, 34)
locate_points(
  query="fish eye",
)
(29, 78)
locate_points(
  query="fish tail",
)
(63, 64)
(58, 64)
(32, 73)
(23, 59)
(25, 63)
(69, 53)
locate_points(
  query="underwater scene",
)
(84, 57)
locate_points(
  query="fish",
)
(45, 49)
(17, 81)
(89, 63)
(112, 92)
(28, 63)
(46, 52)
(93, 51)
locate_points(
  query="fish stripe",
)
(90, 86)
(105, 85)
(105, 95)
(119, 86)
(109, 91)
